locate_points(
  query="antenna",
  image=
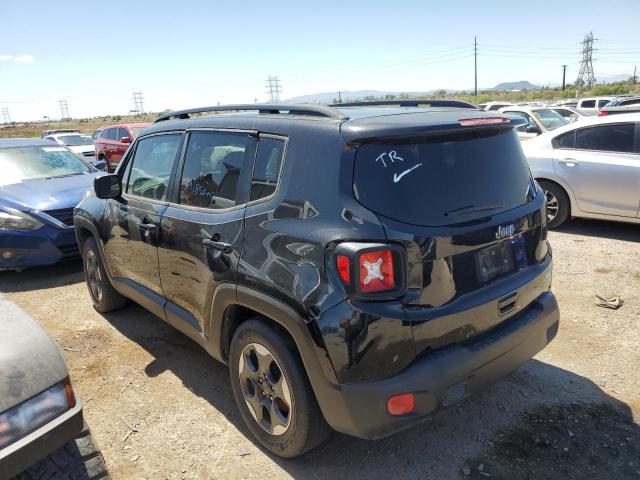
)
(138, 102)
(586, 78)
(273, 89)
(64, 110)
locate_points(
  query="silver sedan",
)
(589, 169)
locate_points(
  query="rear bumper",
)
(25, 452)
(444, 377)
(43, 246)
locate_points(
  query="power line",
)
(138, 102)
(5, 115)
(273, 89)
(475, 65)
(64, 109)
(586, 78)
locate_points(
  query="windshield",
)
(75, 140)
(550, 118)
(29, 163)
(443, 180)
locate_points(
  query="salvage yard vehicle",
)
(591, 106)
(589, 169)
(113, 141)
(621, 105)
(79, 144)
(39, 411)
(539, 120)
(357, 266)
(40, 184)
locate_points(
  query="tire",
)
(103, 295)
(557, 202)
(77, 459)
(292, 424)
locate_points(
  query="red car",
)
(114, 141)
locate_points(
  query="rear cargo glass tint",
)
(443, 180)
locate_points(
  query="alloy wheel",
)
(552, 205)
(94, 277)
(265, 389)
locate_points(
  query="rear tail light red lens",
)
(401, 404)
(602, 114)
(376, 271)
(344, 269)
(472, 122)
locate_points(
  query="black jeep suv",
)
(357, 267)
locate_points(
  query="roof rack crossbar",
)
(263, 108)
(407, 103)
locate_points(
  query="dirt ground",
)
(159, 407)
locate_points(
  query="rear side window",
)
(151, 166)
(634, 101)
(110, 134)
(266, 169)
(602, 103)
(212, 169)
(609, 138)
(566, 140)
(588, 104)
(443, 180)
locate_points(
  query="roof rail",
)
(264, 108)
(407, 103)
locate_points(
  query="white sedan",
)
(589, 169)
(79, 144)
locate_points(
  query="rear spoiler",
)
(354, 133)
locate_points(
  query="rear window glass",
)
(443, 180)
(609, 138)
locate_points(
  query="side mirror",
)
(574, 118)
(107, 186)
(125, 140)
(533, 129)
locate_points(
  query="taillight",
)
(472, 122)
(342, 263)
(371, 270)
(602, 113)
(376, 271)
(401, 404)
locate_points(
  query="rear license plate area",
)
(496, 260)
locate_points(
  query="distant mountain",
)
(521, 85)
(351, 96)
(623, 77)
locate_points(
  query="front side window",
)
(212, 169)
(122, 132)
(531, 125)
(266, 169)
(30, 163)
(151, 166)
(634, 101)
(550, 119)
(609, 138)
(602, 103)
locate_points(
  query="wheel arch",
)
(565, 187)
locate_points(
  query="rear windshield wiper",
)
(474, 208)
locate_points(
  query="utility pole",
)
(475, 65)
(340, 96)
(138, 102)
(5, 115)
(586, 78)
(564, 76)
(273, 89)
(64, 110)
(635, 79)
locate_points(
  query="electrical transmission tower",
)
(5, 115)
(586, 78)
(64, 109)
(138, 102)
(274, 89)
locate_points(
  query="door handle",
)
(147, 228)
(221, 246)
(568, 162)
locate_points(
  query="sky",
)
(203, 52)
